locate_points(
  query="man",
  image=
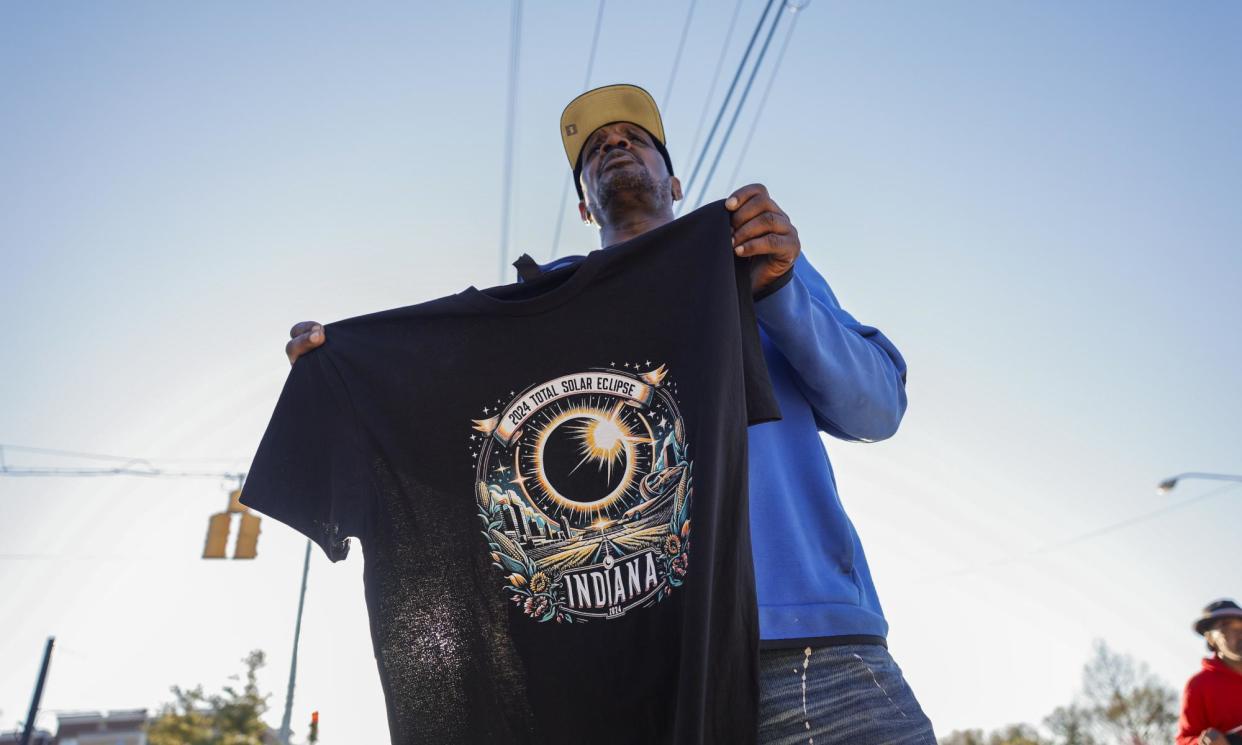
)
(1212, 701)
(826, 675)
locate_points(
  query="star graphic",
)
(648, 362)
(485, 409)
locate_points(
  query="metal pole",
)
(293, 665)
(515, 42)
(38, 692)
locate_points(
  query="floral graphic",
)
(672, 545)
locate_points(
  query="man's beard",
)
(627, 188)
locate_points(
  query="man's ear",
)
(676, 188)
(585, 213)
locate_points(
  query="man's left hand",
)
(761, 230)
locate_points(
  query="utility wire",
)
(100, 456)
(128, 466)
(1081, 537)
(121, 471)
(515, 41)
(763, 102)
(86, 557)
(737, 111)
(681, 46)
(707, 102)
(586, 83)
(728, 95)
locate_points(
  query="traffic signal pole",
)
(293, 665)
(38, 692)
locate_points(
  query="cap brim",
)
(612, 103)
(1203, 625)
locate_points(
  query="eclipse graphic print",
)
(584, 484)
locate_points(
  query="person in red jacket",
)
(1212, 701)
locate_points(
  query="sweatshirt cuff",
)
(775, 286)
(777, 304)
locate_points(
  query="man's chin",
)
(626, 184)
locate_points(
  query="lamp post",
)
(1166, 486)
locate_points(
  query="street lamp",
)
(1166, 486)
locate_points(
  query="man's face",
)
(620, 161)
(1226, 638)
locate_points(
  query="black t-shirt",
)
(549, 483)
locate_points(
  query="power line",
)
(728, 95)
(586, 83)
(737, 111)
(100, 456)
(681, 46)
(1081, 537)
(120, 471)
(129, 466)
(86, 557)
(707, 102)
(763, 102)
(515, 40)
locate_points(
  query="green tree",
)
(1130, 704)
(231, 717)
(1016, 734)
(1013, 734)
(1072, 725)
(1121, 703)
(964, 737)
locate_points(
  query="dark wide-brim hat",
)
(1214, 612)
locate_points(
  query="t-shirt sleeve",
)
(761, 403)
(310, 470)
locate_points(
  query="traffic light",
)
(247, 537)
(314, 728)
(220, 524)
(217, 536)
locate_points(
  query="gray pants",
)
(851, 694)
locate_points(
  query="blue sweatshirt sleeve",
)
(851, 374)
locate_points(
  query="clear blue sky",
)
(1038, 202)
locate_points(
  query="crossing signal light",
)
(314, 728)
(220, 525)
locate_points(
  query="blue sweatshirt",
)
(831, 374)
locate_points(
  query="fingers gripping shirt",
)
(548, 480)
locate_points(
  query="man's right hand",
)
(303, 337)
(1212, 737)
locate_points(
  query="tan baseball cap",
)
(611, 103)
